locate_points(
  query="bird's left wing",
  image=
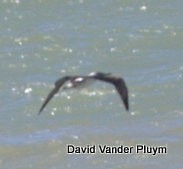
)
(58, 84)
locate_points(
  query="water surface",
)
(42, 41)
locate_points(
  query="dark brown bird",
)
(82, 81)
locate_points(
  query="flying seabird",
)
(69, 82)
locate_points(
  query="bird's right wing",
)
(122, 91)
(120, 86)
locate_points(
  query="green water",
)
(42, 41)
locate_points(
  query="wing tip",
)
(127, 108)
(39, 112)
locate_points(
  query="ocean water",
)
(42, 41)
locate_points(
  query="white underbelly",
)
(85, 83)
(79, 83)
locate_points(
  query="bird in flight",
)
(68, 82)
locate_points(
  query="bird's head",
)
(99, 74)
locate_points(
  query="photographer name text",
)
(121, 149)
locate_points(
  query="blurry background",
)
(42, 40)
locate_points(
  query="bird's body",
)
(79, 82)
